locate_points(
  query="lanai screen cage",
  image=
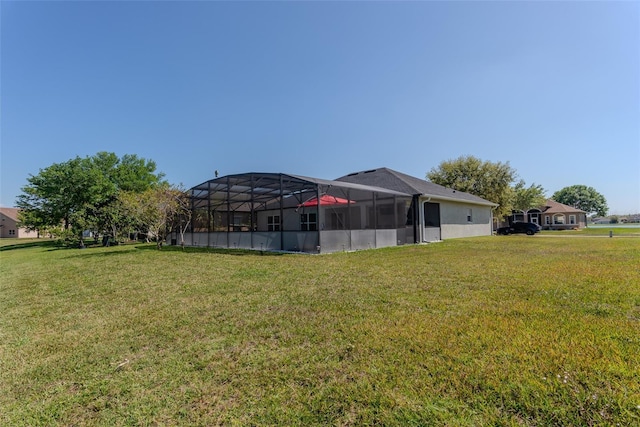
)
(280, 212)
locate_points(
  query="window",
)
(547, 220)
(469, 215)
(241, 221)
(572, 219)
(558, 219)
(12, 232)
(336, 221)
(308, 222)
(273, 223)
(431, 214)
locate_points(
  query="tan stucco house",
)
(9, 225)
(553, 216)
(557, 216)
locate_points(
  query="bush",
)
(66, 237)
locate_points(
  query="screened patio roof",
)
(261, 189)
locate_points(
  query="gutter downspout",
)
(493, 208)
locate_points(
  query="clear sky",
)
(323, 89)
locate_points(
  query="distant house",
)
(630, 219)
(369, 209)
(553, 216)
(9, 225)
(557, 216)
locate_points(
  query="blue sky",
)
(326, 88)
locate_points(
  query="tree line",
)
(116, 197)
(102, 196)
(498, 182)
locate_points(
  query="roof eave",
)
(458, 200)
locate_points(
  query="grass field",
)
(600, 230)
(505, 330)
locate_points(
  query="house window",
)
(12, 232)
(309, 222)
(547, 220)
(469, 215)
(241, 221)
(431, 214)
(336, 221)
(558, 219)
(273, 223)
(572, 219)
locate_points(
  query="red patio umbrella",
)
(326, 200)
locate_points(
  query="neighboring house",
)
(9, 225)
(557, 216)
(630, 218)
(363, 210)
(552, 216)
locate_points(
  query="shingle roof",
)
(555, 207)
(398, 181)
(355, 185)
(11, 213)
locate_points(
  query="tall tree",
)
(78, 193)
(128, 173)
(61, 191)
(582, 197)
(491, 181)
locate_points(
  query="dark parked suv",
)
(520, 227)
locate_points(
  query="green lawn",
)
(597, 231)
(502, 330)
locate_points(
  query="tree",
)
(80, 192)
(184, 212)
(525, 198)
(582, 197)
(491, 181)
(157, 210)
(129, 173)
(60, 194)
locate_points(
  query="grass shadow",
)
(52, 244)
(91, 253)
(222, 251)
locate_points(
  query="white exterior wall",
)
(345, 240)
(454, 224)
(335, 240)
(453, 231)
(386, 238)
(453, 219)
(290, 218)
